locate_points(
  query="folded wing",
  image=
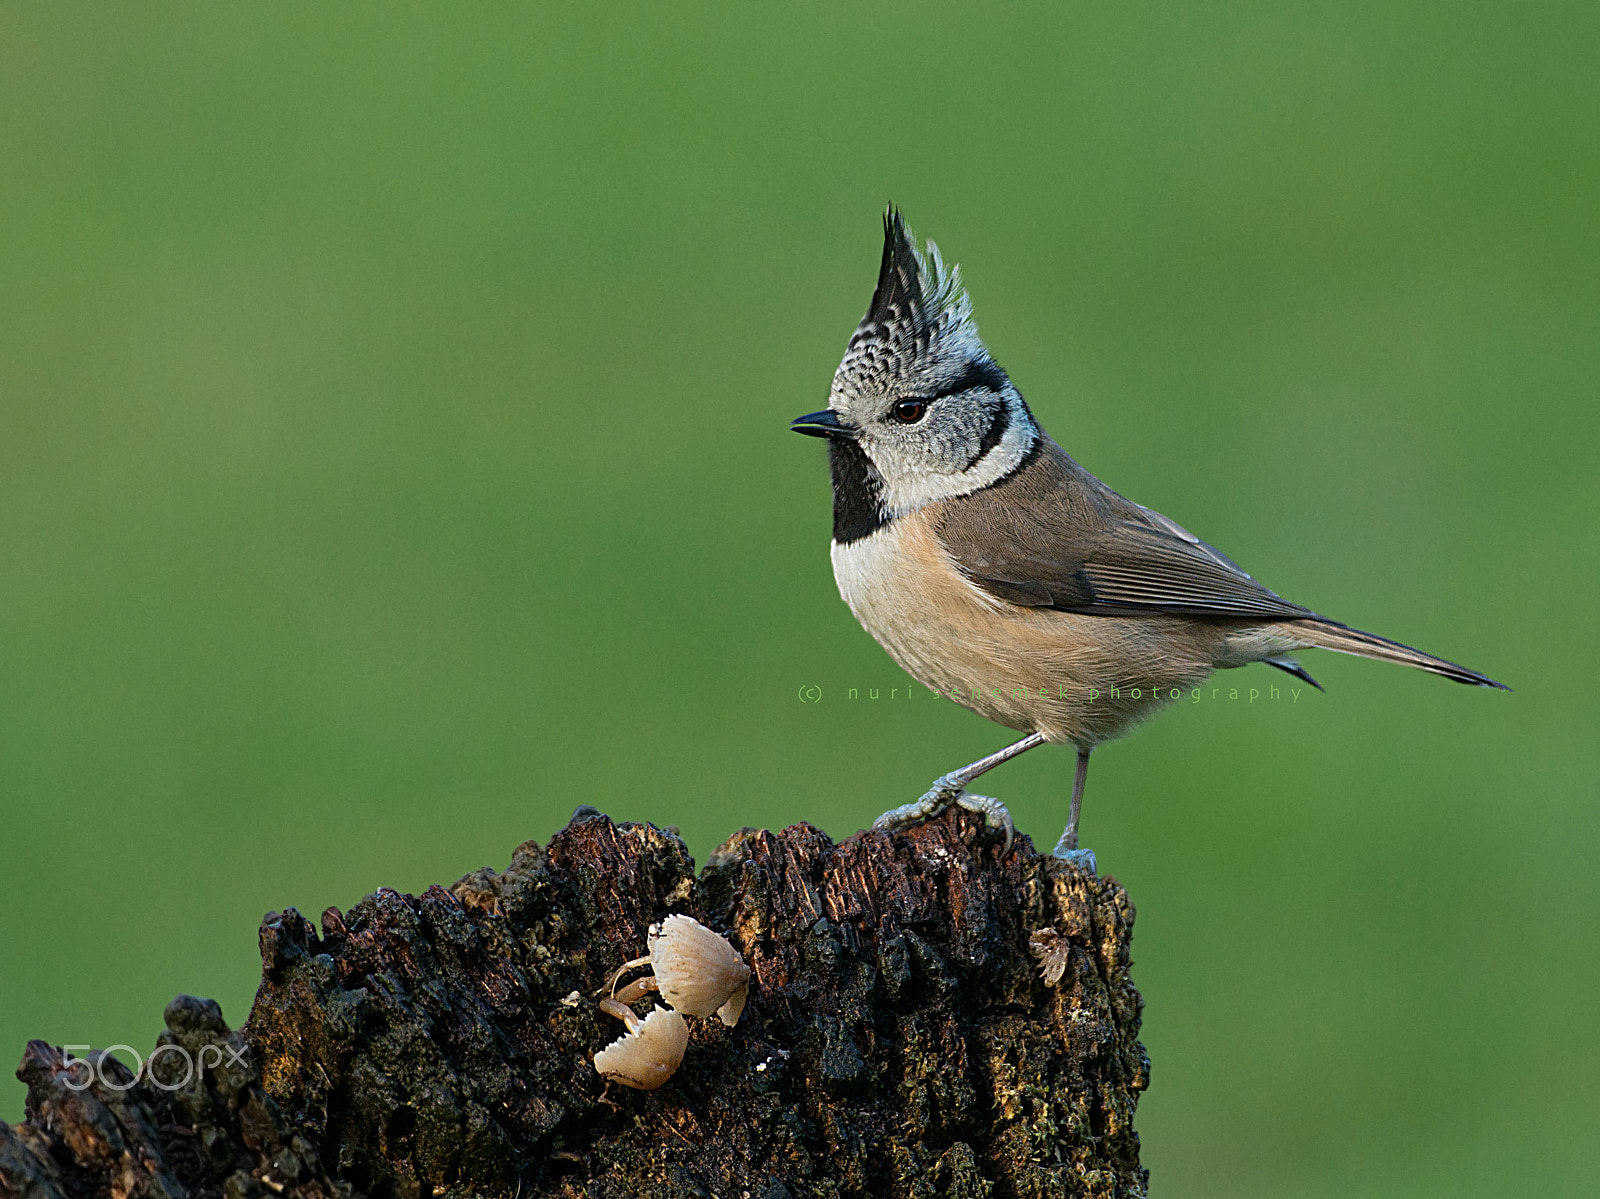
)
(1053, 536)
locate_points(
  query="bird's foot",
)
(945, 792)
(1083, 859)
(940, 796)
(994, 815)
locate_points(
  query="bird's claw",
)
(1083, 859)
(941, 795)
(994, 815)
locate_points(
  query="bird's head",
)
(918, 406)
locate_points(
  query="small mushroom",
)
(1052, 950)
(634, 991)
(647, 1054)
(697, 971)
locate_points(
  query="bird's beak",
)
(822, 424)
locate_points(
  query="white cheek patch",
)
(916, 486)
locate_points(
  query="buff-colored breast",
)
(1077, 678)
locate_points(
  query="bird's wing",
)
(1053, 536)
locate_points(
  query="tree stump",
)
(927, 1016)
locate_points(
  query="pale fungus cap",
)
(1053, 952)
(698, 971)
(730, 1012)
(647, 1054)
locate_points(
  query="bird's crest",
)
(919, 303)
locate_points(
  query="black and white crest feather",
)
(898, 299)
(919, 310)
(918, 342)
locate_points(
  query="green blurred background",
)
(393, 457)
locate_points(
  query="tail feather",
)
(1328, 634)
(1290, 666)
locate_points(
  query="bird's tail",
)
(1328, 634)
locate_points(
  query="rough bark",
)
(899, 1039)
(195, 1123)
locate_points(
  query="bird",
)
(998, 572)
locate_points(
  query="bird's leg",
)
(952, 788)
(1067, 847)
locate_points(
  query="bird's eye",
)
(909, 412)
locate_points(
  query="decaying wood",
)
(195, 1123)
(900, 1037)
